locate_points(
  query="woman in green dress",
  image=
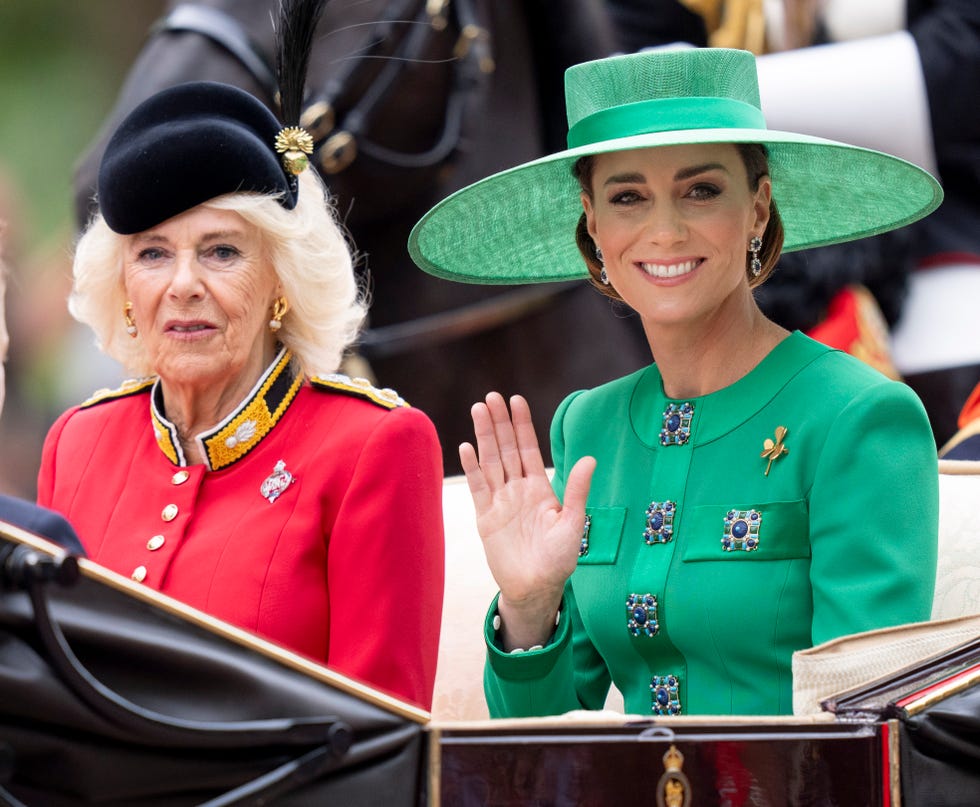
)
(751, 492)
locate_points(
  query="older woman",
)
(242, 474)
(748, 494)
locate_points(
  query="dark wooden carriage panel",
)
(749, 761)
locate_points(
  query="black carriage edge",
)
(113, 694)
(936, 706)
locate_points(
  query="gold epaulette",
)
(131, 386)
(361, 387)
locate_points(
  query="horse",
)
(409, 100)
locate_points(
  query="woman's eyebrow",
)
(221, 235)
(148, 238)
(683, 173)
(625, 179)
(694, 170)
(152, 237)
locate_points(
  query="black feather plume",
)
(295, 29)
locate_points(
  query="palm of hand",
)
(530, 541)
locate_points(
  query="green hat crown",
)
(677, 90)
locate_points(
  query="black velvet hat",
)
(193, 142)
(188, 144)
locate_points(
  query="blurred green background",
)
(61, 64)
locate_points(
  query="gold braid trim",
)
(166, 436)
(255, 419)
(130, 386)
(360, 387)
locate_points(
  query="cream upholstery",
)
(958, 569)
(469, 589)
(850, 661)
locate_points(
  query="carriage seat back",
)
(958, 566)
(469, 589)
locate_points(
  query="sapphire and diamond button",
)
(741, 530)
(155, 543)
(169, 512)
(641, 615)
(665, 696)
(677, 424)
(180, 477)
(139, 574)
(660, 522)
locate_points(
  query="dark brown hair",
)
(756, 163)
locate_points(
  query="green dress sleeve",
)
(874, 512)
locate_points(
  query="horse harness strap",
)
(339, 141)
(224, 30)
(458, 323)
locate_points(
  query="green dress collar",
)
(657, 418)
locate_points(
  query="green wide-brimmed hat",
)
(518, 226)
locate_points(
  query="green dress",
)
(713, 549)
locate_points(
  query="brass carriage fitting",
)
(674, 788)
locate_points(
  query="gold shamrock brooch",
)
(774, 450)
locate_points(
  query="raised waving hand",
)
(531, 539)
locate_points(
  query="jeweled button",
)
(155, 542)
(139, 574)
(169, 512)
(180, 477)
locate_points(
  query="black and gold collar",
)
(243, 429)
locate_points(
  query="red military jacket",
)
(316, 522)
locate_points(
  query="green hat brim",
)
(518, 226)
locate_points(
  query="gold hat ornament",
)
(295, 144)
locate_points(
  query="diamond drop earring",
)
(603, 277)
(754, 246)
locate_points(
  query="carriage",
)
(115, 695)
(112, 694)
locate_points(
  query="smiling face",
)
(674, 224)
(202, 289)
